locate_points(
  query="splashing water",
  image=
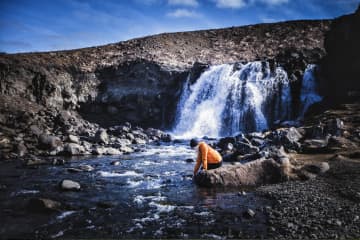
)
(233, 98)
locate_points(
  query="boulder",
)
(288, 137)
(86, 168)
(73, 149)
(69, 185)
(335, 127)
(126, 149)
(139, 141)
(243, 148)
(250, 174)
(48, 142)
(73, 138)
(101, 136)
(224, 142)
(112, 151)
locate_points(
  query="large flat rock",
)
(261, 171)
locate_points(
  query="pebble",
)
(69, 185)
(250, 213)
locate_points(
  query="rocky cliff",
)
(341, 65)
(140, 80)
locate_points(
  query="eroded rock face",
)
(141, 80)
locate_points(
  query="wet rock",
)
(69, 185)
(106, 151)
(73, 149)
(33, 161)
(224, 142)
(112, 151)
(48, 142)
(139, 141)
(189, 160)
(101, 136)
(86, 168)
(58, 161)
(73, 139)
(43, 205)
(115, 163)
(126, 149)
(335, 127)
(288, 137)
(245, 148)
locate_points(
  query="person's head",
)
(194, 142)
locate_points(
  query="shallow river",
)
(149, 195)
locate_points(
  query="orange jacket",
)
(206, 155)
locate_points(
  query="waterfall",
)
(232, 98)
(308, 94)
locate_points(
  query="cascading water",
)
(232, 98)
(309, 95)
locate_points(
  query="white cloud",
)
(188, 3)
(230, 3)
(183, 13)
(274, 2)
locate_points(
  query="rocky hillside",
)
(140, 80)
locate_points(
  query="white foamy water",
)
(65, 214)
(24, 191)
(232, 98)
(227, 99)
(115, 174)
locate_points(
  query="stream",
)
(150, 194)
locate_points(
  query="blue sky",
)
(46, 25)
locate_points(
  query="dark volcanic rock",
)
(341, 66)
(140, 80)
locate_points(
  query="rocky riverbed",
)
(150, 193)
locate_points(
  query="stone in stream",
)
(189, 160)
(86, 168)
(115, 163)
(43, 205)
(69, 185)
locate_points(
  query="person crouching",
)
(208, 157)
